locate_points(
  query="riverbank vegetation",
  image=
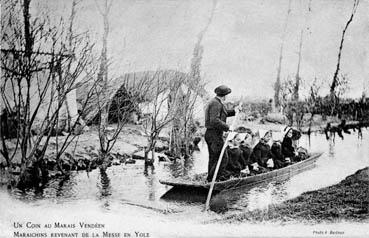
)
(347, 201)
(45, 62)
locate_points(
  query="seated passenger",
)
(279, 160)
(302, 153)
(261, 156)
(246, 149)
(288, 150)
(235, 157)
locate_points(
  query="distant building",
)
(144, 87)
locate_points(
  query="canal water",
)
(129, 198)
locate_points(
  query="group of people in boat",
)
(240, 158)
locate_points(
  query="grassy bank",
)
(346, 201)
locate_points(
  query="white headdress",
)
(285, 130)
(262, 133)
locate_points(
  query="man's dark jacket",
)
(215, 123)
(216, 115)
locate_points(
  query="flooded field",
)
(128, 197)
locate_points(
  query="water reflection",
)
(258, 196)
(331, 150)
(105, 190)
(149, 172)
(104, 186)
(182, 167)
(58, 187)
(175, 168)
(188, 165)
(309, 139)
(137, 183)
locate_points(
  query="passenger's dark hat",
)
(222, 90)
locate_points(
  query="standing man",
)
(215, 123)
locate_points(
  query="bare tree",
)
(181, 126)
(342, 87)
(335, 76)
(70, 117)
(315, 90)
(162, 110)
(292, 109)
(314, 100)
(298, 77)
(122, 104)
(277, 85)
(199, 49)
(37, 79)
(184, 125)
(286, 91)
(103, 99)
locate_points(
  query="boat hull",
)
(274, 175)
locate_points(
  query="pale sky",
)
(241, 47)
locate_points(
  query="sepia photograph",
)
(184, 118)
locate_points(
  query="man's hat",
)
(222, 90)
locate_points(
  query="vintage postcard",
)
(184, 118)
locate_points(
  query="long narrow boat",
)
(277, 174)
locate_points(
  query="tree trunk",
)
(277, 85)
(179, 124)
(297, 78)
(103, 77)
(71, 97)
(364, 88)
(27, 29)
(153, 155)
(198, 49)
(28, 53)
(335, 76)
(149, 149)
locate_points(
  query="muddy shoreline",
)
(83, 154)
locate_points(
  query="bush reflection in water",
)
(135, 184)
